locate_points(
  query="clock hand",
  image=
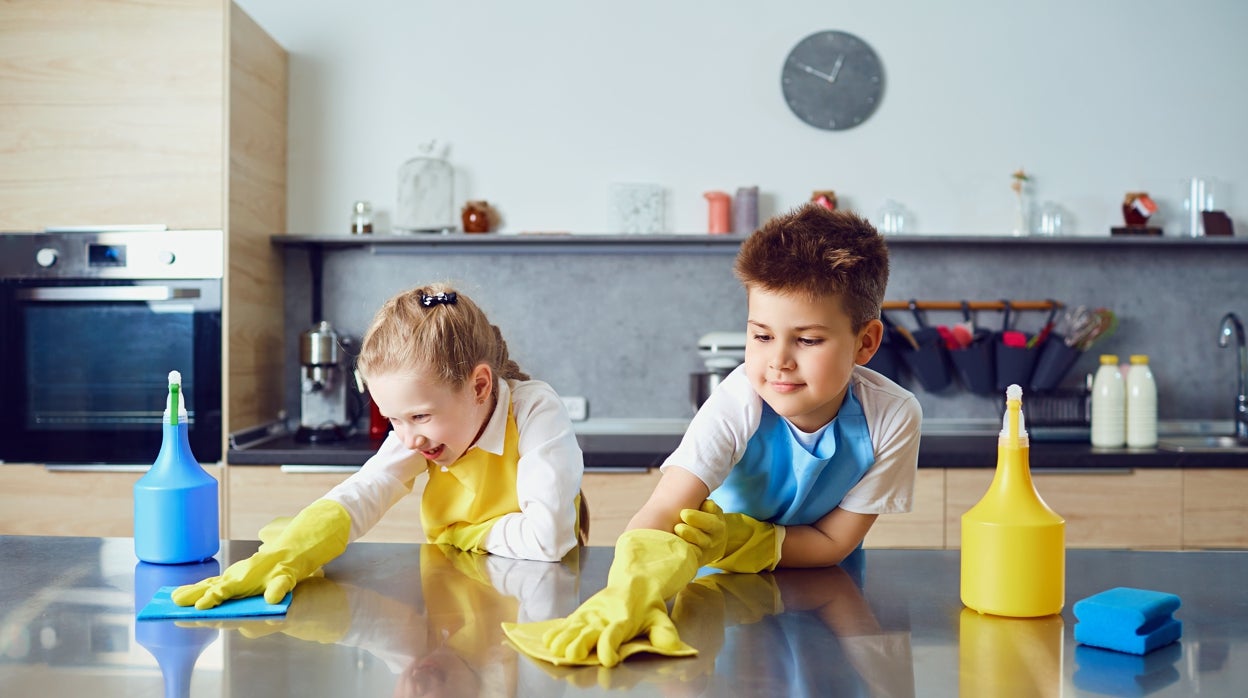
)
(816, 73)
(836, 68)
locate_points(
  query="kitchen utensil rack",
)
(974, 305)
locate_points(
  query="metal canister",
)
(319, 346)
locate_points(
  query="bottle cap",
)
(1139, 359)
(1109, 359)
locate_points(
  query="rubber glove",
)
(319, 612)
(731, 542)
(466, 536)
(650, 566)
(317, 535)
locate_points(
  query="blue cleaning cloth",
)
(1137, 621)
(162, 606)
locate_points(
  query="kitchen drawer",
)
(259, 494)
(1125, 508)
(36, 501)
(923, 526)
(1215, 508)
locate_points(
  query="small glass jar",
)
(476, 217)
(362, 218)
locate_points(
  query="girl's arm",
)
(548, 479)
(383, 480)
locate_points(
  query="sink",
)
(1203, 444)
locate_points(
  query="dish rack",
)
(1066, 407)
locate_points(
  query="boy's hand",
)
(731, 542)
(705, 528)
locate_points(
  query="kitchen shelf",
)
(669, 243)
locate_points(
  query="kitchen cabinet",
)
(923, 526)
(1215, 510)
(1105, 508)
(259, 494)
(174, 113)
(38, 501)
(613, 499)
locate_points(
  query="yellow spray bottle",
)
(1013, 544)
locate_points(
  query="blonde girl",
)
(502, 462)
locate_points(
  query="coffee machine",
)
(324, 387)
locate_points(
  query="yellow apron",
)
(478, 487)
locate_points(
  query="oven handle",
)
(106, 293)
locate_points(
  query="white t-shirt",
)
(548, 476)
(719, 432)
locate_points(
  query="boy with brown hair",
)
(802, 445)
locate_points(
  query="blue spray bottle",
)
(175, 503)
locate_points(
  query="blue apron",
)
(779, 481)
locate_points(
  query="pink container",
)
(720, 218)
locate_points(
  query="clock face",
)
(832, 80)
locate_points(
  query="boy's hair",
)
(447, 338)
(817, 252)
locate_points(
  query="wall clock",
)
(832, 80)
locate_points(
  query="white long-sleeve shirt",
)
(548, 476)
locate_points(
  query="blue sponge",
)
(1137, 621)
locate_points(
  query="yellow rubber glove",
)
(466, 536)
(317, 535)
(731, 542)
(320, 611)
(649, 567)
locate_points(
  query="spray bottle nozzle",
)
(176, 398)
(1013, 426)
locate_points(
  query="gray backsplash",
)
(622, 329)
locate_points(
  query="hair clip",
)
(438, 299)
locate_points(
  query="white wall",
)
(547, 102)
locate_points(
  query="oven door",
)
(84, 368)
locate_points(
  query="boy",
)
(802, 445)
(802, 442)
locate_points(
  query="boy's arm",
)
(677, 489)
(828, 541)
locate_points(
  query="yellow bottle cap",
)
(1137, 359)
(1109, 359)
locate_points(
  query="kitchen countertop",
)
(399, 619)
(633, 444)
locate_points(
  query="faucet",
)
(1231, 323)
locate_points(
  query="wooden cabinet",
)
(923, 526)
(259, 494)
(1215, 508)
(123, 113)
(1140, 508)
(37, 501)
(613, 499)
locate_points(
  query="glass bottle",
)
(1141, 404)
(362, 218)
(1109, 405)
(175, 503)
(1013, 544)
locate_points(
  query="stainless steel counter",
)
(411, 620)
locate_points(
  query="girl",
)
(504, 468)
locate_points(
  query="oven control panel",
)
(165, 254)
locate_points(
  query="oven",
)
(91, 324)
